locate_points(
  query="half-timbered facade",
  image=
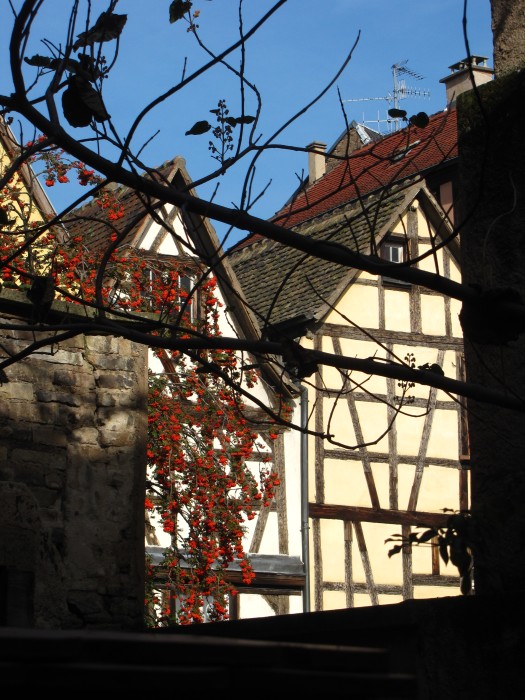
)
(169, 237)
(22, 197)
(386, 456)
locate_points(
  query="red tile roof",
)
(399, 155)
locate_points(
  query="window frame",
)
(398, 243)
(192, 295)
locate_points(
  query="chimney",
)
(316, 160)
(460, 79)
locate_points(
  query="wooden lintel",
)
(376, 515)
(278, 583)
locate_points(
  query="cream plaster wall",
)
(397, 309)
(422, 564)
(252, 605)
(355, 348)
(294, 476)
(372, 417)
(346, 483)
(358, 305)
(434, 260)
(168, 246)
(433, 315)
(334, 600)
(405, 479)
(439, 488)
(444, 440)
(385, 569)
(421, 356)
(344, 480)
(332, 544)
(409, 429)
(421, 592)
(421, 557)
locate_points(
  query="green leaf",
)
(231, 121)
(397, 113)
(427, 535)
(420, 120)
(395, 550)
(460, 556)
(82, 103)
(199, 128)
(456, 522)
(75, 111)
(108, 26)
(245, 119)
(86, 66)
(92, 99)
(178, 9)
(39, 61)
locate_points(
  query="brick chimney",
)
(460, 79)
(316, 160)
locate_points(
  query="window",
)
(394, 250)
(188, 296)
(179, 290)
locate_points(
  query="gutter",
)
(305, 527)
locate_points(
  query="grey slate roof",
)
(282, 284)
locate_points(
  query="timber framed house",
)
(393, 456)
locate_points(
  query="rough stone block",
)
(65, 378)
(59, 397)
(50, 435)
(62, 357)
(114, 381)
(19, 391)
(105, 399)
(88, 436)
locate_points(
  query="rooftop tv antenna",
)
(400, 92)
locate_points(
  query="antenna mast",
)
(400, 92)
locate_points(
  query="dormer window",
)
(394, 250)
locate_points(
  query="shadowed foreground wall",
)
(73, 426)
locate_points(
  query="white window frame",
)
(394, 250)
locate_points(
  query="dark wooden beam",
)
(263, 583)
(376, 515)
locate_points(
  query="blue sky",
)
(290, 60)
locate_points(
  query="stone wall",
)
(73, 427)
(508, 29)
